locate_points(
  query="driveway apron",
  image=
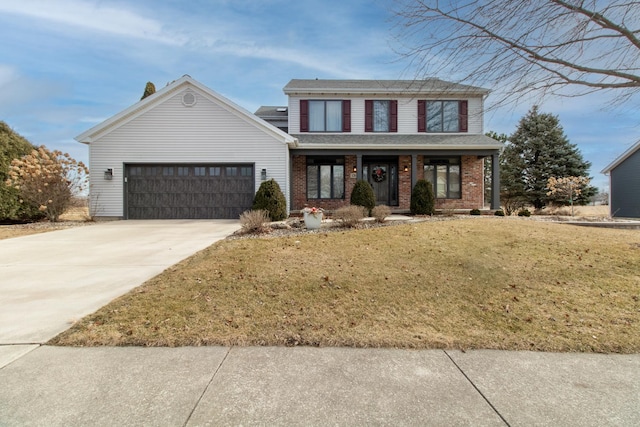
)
(50, 280)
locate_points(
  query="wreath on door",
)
(379, 174)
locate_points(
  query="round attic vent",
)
(189, 99)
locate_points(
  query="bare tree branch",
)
(532, 47)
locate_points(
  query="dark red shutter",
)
(346, 115)
(463, 116)
(422, 115)
(368, 116)
(393, 116)
(304, 115)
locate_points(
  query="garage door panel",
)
(188, 191)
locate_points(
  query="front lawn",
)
(498, 283)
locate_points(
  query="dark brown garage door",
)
(190, 191)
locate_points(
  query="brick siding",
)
(471, 182)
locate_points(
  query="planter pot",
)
(313, 221)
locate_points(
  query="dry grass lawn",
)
(475, 283)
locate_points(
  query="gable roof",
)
(427, 86)
(160, 96)
(624, 156)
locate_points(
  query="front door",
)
(383, 177)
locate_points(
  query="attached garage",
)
(185, 152)
(188, 191)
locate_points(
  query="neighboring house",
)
(188, 152)
(183, 152)
(391, 133)
(277, 116)
(624, 184)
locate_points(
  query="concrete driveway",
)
(50, 280)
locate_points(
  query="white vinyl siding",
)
(171, 133)
(407, 112)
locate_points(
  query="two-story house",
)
(188, 152)
(391, 133)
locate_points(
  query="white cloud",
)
(16, 90)
(320, 62)
(7, 75)
(93, 16)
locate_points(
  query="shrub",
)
(271, 199)
(12, 207)
(254, 221)
(48, 180)
(524, 212)
(381, 212)
(362, 195)
(350, 216)
(422, 200)
(499, 213)
(475, 212)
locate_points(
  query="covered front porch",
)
(325, 178)
(326, 166)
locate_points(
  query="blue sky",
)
(66, 65)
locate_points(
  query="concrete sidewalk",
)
(50, 280)
(195, 386)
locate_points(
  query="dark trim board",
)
(399, 152)
(188, 190)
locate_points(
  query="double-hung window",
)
(325, 116)
(325, 178)
(444, 174)
(381, 116)
(442, 116)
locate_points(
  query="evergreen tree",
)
(535, 152)
(270, 198)
(362, 195)
(149, 89)
(422, 199)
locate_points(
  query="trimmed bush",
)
(271, 199)
(499, 213)
(381, 212)
(475, 212)
(524, 212)
(350, 216)
(362, 195)
(254, 221)
(422, 200)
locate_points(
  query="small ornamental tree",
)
(149, 90)
(568, 188)
(422, 200)
(13, 146)
(362, 195)
(271, 199)
(48, 180)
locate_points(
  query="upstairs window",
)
(381, 116)
(442, 116)
(325, 116)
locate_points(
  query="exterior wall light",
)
(108, 174)
(263, 175)
(406, 168)
(355, 169)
